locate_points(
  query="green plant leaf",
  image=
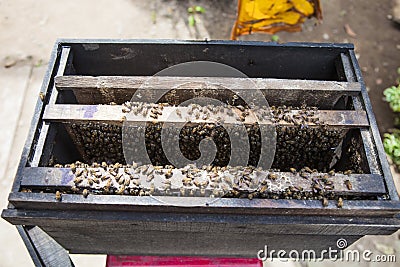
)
(274, 38)
(392, 95)
(199, 9)
(191, 20)
(391, 143)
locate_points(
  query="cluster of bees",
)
(297, 144)
(301, 140)
(98, 141)
(208, 181)
(355, 161)
(190, 137)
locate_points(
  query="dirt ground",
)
(377, 43)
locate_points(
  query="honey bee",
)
(127, 181)
(73, 167)
(78, 172)
(325, 202)
(98, 174)
(127, 110)
(241, 118)
(197, 183)
(228, 180)
(299, 188)
(144, 169)
(42, 96)
(168, 173)
(187, 181)
(152, 189)
(202, 192)
(85, 193)
(348, 172)
(182, 191)
(293, 170)
(150, 178)
(272, 176)
(348, 184)
(121, 190)
(307, 169)
(192, 192)
(329, 187)
(78, 180)
(105, 177)
(108, 183)
(58, 196)
(331, 172)
(263, 189)
(121, 180)
(240, 107)
(340, 203)
(304, 175)
(317, 187)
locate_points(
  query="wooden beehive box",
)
(85, 76)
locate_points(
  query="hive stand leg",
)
(43, 250)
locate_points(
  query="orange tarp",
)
(271, 16)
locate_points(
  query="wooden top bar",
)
(106, 89)
(114, 114)
(362, 184)
(165, 82)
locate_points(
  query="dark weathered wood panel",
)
(44, 250)
(114, 114)
(106, 89)
(378, 158)
(190, 244)
(47, 201)
(45, 132)
(187, 221)
(193, 234)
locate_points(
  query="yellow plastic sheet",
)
(271, 16)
